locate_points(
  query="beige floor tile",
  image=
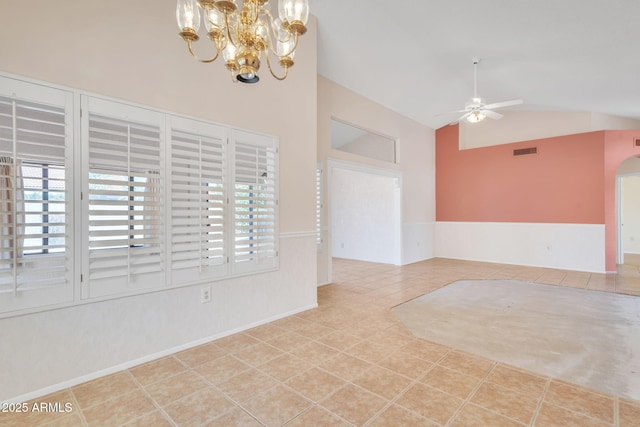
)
(74, 420)
(354, 404)
(289, 341)
(354, 334)
(97, 391)
(553, 416)
(236, 342)
(198, 408)
(629, 414)
(467, 364)
(284, 367)
(258, 354)
(221, 370)
(518, 380)
(315, 384)
(395, 337)
(277, 406)
(154, 419)
(580, 400)
(315, 352)
(35, 412)
(313, 330)
(157, 370)
(265, 332)
(318, 417)
(506, 402)
(474, 416)
(449, 381)
(234, 418)
(383, 382)
(406, 364)
(368, 351)
(199, 355)
(247, 384)
(345, 366)
(426, 350)
(175, 388)
(400, 417)
(120, 410)
(430, 403)
(340, 340)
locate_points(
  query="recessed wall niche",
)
(355, 140)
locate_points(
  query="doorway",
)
(628, 212)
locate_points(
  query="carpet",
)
(585, 337)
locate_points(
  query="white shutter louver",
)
(198, 201)
(125, 217)
(35, 210)
(255, 202)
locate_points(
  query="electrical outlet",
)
(205, 295)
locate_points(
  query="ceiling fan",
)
(475, 110)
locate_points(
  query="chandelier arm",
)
(190, 44)
(227, 19)
(273, 35)
(272, 25)
(286, 69)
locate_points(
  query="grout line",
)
(540, 401)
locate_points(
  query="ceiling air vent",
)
(525, 151)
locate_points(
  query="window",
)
(255, 203)
(124, 205)
(44, 206)
(198, 200)
(35, 209)
(161, 201)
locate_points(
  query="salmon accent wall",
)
(563, 182)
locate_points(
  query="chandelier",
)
(243, 33)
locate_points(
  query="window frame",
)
(78, 106)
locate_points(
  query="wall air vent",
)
(636, 142)
(525, 151)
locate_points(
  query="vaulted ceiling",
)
(415, 56)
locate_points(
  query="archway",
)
(628, 211)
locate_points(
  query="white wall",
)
(564, 246)
(415, 161)
(130, 50)
(365, 215)
(631, 214)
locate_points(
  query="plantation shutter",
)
(35, 204)
(198, 200)
(255, 204)
(124, 206)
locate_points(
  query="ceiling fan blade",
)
(459, 119)
(503, 104)
(451, 112)
(492, 114)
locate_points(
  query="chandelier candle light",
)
(243, 33)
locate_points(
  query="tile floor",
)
(348, 363)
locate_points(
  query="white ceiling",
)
(415, 56)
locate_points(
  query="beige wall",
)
(416, 162)
(130, 50)
(518, 126)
